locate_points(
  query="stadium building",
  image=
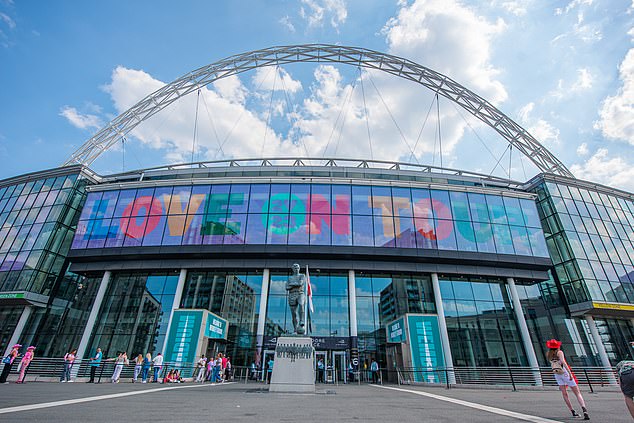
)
(416, 266)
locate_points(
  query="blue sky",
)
(563, 70)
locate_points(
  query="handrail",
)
(513, 376)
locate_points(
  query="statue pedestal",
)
(293, 365)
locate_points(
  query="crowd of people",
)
(212, 369)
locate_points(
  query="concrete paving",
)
(252, 402)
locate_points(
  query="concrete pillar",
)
(19, 328)
(182, 278)
(442, 327)
(92, 317)
(264, 298)
(526, 336)
(352, 302)
(598, 342)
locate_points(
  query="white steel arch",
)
(512, 132)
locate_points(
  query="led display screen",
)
(311, 214)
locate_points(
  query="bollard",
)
(447, 377)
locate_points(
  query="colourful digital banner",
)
(299, 215)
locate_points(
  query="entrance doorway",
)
(335, 366)
(266, 357)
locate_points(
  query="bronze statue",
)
(296, 287)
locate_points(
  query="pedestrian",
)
(216, 377)
(202, 367)
(269, 370)
(228, 370)
(147, 363)
(223, 371)
(119, 362)
(374, 369)
(350, 372)
(564, 377)
(138, 365)
(320, 370)
(8, 362)
(158, 364)
(24, 364)
(95, 362)
(69, 360)
(211, 364)
(625, 370)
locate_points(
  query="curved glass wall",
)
(37, 220)
(590, 235)
(311, 214)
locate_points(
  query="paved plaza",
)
(81, 402)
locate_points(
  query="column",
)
(598, 342)
(92, 318)
(264, 298)
(352, 302)
(19, 327)
(526, 337)
(442, 327)
(182, 278)
(354, 340)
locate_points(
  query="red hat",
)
(31, 348)
(553, 344)
(17, 345)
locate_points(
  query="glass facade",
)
(37, 220)
(590, 237)
(311, 214)
(588, 233)
(482, 328)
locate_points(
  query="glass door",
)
(340, 366)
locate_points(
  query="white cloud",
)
(286, 23)
(582, 150)
(279, 80)
(612, 171)
(541, 129)
(583, 82)
(450, 38)
(573, 5)
(228, 130)
(7, 20)
(517, 7)
(616, 117)
(231, 89)
(316, 11)
(79, 120)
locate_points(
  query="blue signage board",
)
(426, 346)
(216, 327)
(396, 331)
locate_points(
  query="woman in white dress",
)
(564, 377)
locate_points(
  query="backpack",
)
(556, 366)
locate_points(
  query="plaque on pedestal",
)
(293, 365)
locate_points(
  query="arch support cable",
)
(320, 53)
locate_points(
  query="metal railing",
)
(52, 368)
(502, 376)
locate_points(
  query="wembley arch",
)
(479, 107)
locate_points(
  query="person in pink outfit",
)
(24, 364)
(8, 362)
